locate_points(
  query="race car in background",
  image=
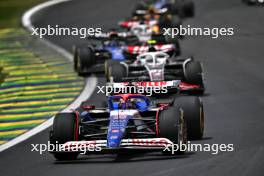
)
(129, 122)
(158, 42)
(254, 2)
(118, 46)
(157, 66)
(183, 8)
(155, 20)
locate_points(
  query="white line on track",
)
(90, 85)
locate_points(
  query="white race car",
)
(157, 66)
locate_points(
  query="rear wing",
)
(171, 84)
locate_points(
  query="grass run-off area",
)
(35, 81)
(12, 10)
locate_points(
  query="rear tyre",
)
(85, 58)
(178, 48)
(184, 8)
(117, 71)
(74, 49)
(189, 10)
(177, 8)
(173, 127)
(64, 130)
(140, 6)
(193, 73)
(107, 65)
(248, 2)
(193, 113)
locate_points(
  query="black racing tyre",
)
(140, 6)
(248, 2)
(176, 21)
(173, 7)
(107, 65)
(64, 130)
(193, 73)
(178, 48)
(183, 8)
(193, 113)
(178, 8)
(117, 71)
(85, 58)
(189, 10)
(171, 125)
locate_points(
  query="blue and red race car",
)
(129, 122)
(117, 46)
(183, 8)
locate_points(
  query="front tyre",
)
(184, 8)
(193, 73)
(193, 113)
(85, 58)
(117, 72)
(172, 125)
(189, 9)
(65, 129)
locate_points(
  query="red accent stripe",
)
(76, 136)
(186, 86)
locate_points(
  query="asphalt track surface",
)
(234, 104)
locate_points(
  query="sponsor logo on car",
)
(151, 142)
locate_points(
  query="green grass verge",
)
(35, 83)
(38, 83)
(12, 10)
